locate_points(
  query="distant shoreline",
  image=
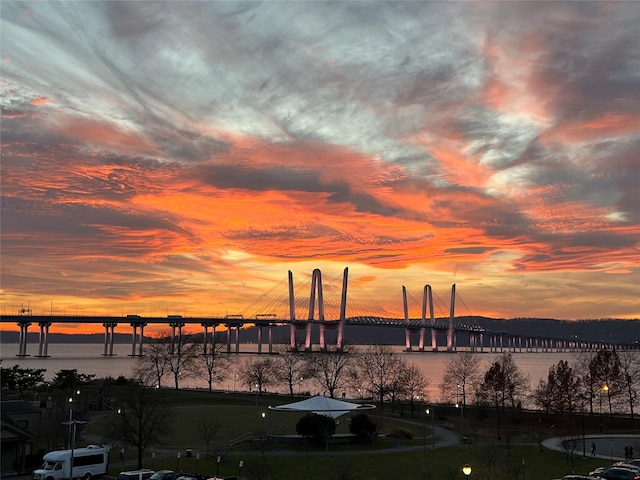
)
(613, 331)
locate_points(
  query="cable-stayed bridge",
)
(323, 307)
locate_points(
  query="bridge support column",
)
(176, 326)
(270, 332)
(307, 341)
(228, 338)
(407, 332)
(42, 339)
(237, 339)
(24, 329)
(205, 339)
(321, 329)
(343, 309)
(137, 339)
(259, 339)
(109, 328)
(451, 317)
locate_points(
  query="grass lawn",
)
(516, 456)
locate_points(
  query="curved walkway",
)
(610, 447)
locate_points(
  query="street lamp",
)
(432, 411)
(584, 447)
(72, 442)
(461, 407)
(263, 415)
(466, 469)
(605, 388)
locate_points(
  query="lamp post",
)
(605, 388)
(71, 399)
(218, 465)
(584, 446)
(461, 407)
(72, 442)
(262, 415)
(466, 469)
(433, 427)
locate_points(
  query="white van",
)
(87, 462)
(143, 474)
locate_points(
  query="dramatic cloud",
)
(185, 155)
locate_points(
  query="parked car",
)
(578, 477)
(617, 473)
(143, 474)
(628, 466)
(163, 475)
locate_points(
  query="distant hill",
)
(608, 330)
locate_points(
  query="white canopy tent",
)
(323, 406)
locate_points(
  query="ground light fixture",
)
(466, 469)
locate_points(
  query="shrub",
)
(316, 427)
(363, 428)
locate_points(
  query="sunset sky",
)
(181, 157)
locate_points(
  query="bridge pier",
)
(43, 340)
(24, 329)
(109, 328)
(137, 338)
(175, 326)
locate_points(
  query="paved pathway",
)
(610, 447)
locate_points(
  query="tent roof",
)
(323, 406)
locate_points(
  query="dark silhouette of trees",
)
(412, 384)
(630, 371)
(257, 373)
(21, 379)
(70, 379)
(561, 391)
(605, 370)
(503, 385)
(291, 367)
(378, 370)
(330, 369)
(144, 417)
(363, 428)
(208, 428)
(462, 371)
(319, 428)
(155, 357)
(212, 365)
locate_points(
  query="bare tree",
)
(414, 384)
(258, 373)
(213, 364)
(377, 371)
(330, 368)
(630, 369)
(155, 357)
(605, 370)
(291, 366)
(181, 358)
(462, 370)
(143, 416)
(208, 428)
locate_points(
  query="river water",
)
(88, 359)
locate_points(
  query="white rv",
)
(87, 462)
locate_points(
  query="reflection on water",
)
(87, 358)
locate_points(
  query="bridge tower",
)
(451, 317)
(317, 292)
